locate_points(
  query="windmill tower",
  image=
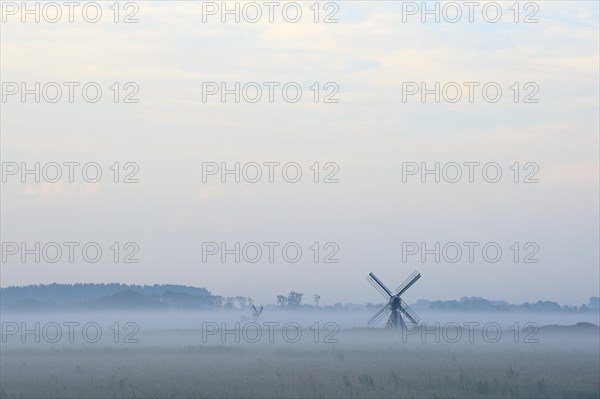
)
(395, 306)
(256, 312)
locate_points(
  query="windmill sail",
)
(379, 286)
(256, 311)
(409, 313)
(408, 282)
(383, 312)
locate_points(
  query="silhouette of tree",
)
(282, 301)
(242, 301)
(317, 297)
(229, 302)
(294, 298)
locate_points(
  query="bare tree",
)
(317, 297)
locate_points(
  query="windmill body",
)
(395, 308)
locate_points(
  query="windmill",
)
(395, 306)
(256, 312)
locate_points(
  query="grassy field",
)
(363, 364)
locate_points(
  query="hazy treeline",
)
(77, 296)
(159, 296)
(482, 304)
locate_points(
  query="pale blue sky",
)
(369, 53)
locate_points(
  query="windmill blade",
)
(379, 286)
(254, 307)
(260, 310)
(409, 313)
(409, 317)
(384, 311)
(408, 282)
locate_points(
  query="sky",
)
(368, 215)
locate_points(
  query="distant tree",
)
(218, 301)
(317, 297)
(294, 298)
(229, 302)
(241, 300)
(282, 301)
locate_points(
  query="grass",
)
(363, 365)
